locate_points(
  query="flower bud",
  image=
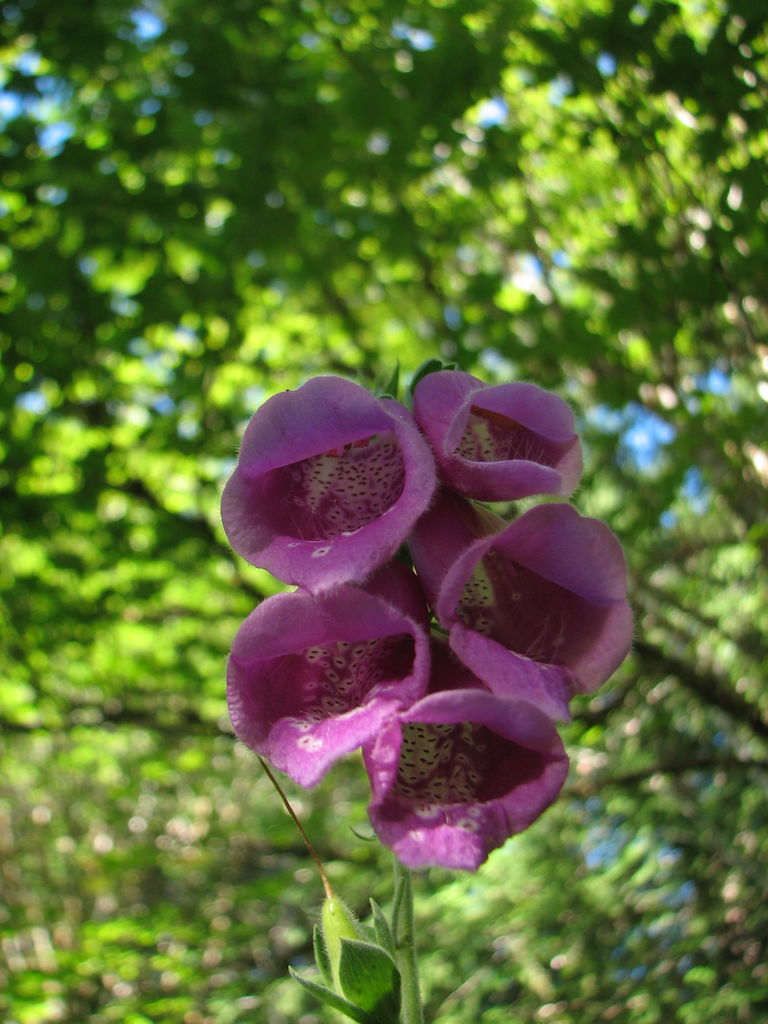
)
(337, 922)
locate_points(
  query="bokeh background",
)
(204, 203)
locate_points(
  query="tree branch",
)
(712, 688)
(596, 782)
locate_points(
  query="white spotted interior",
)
(492, 437)
(339, 677)
(447, 765)
(527, 613)
(341, 490)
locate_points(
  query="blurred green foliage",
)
(205, 203)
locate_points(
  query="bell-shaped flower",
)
(537, 608)
(311, 678)
(461, 770)
(328, 483)
(498, 442)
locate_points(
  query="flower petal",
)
(549, 589)
(549, 687)
(498, 443)
(311, 678)
(448, 527)
(461, 771)
(328, 483)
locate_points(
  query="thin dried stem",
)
(292, 814)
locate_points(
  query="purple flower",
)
(311, 678)
(498, 443)
(537, 609)
(460, 771)
(328, 484)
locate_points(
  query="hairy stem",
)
(405, 946)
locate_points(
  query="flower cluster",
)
(450, 667)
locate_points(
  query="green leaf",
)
(432, 365)
(392, 387)
(369, 977)
(321, 955)
(382, 928)
(325, 995)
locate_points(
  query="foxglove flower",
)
(328, 484)
(497, 443)
(310, 678)
(460, 771)
(537, 609)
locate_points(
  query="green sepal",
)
(392, 387)
(321, 955)
(431, 365)
(372, 838)
(381, 926)
(371, 980)
(325, 995)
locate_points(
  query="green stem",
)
(405, 946)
